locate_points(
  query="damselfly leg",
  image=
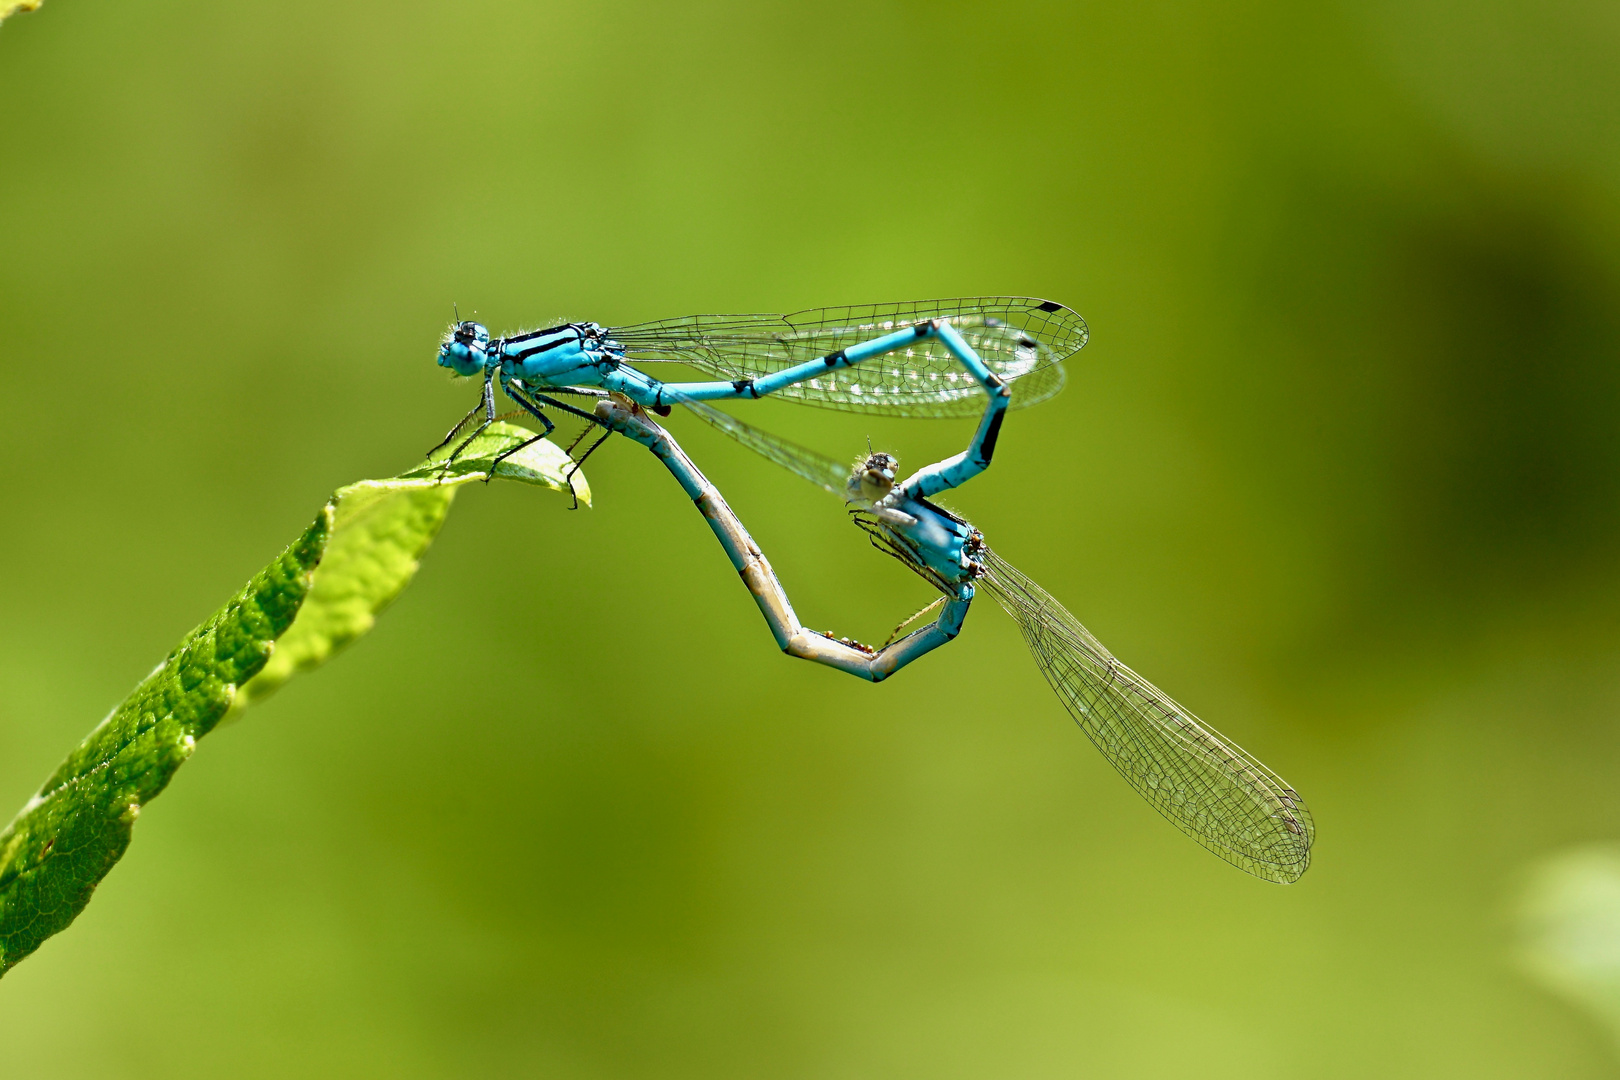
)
(486, 406)
(533, 404)
(579, 462)
(895, 633)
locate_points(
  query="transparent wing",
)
(1022, 339)
(820, 470)
(1209, 787)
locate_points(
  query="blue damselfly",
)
(934, 358)
(1204, 783)
(926, 358)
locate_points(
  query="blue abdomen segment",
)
(938, 477)
(762, 385)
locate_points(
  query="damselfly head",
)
(465, 348)
(873, 477)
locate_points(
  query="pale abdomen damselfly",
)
(930, 358)
(1205, 784)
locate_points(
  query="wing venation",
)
(1022, 339)
(1207, 786)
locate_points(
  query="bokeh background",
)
(1340, 470)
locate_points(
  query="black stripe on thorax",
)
(548, 330)
(941, 511)
(559, 340)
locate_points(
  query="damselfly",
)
(1207, 786)
(909, 355)
(932, 358)
(919, 358)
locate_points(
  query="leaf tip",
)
(9, 8)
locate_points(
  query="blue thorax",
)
(944, 548)
(574, 354)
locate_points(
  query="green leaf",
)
(1569, 924)
(313, 599)
(9, 8)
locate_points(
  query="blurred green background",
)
(1340, 470)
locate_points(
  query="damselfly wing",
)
(1205, 784)
(1023, 340)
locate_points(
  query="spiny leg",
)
(509, 451)
(895, 633)
(580, 462)
(456, 430)
(606, 431)
(571, 447)
(584, 431)
(522, 396)
(460, 424)
(580, 391)
(486, 404)
(531, 401)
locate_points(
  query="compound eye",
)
(469, 333)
